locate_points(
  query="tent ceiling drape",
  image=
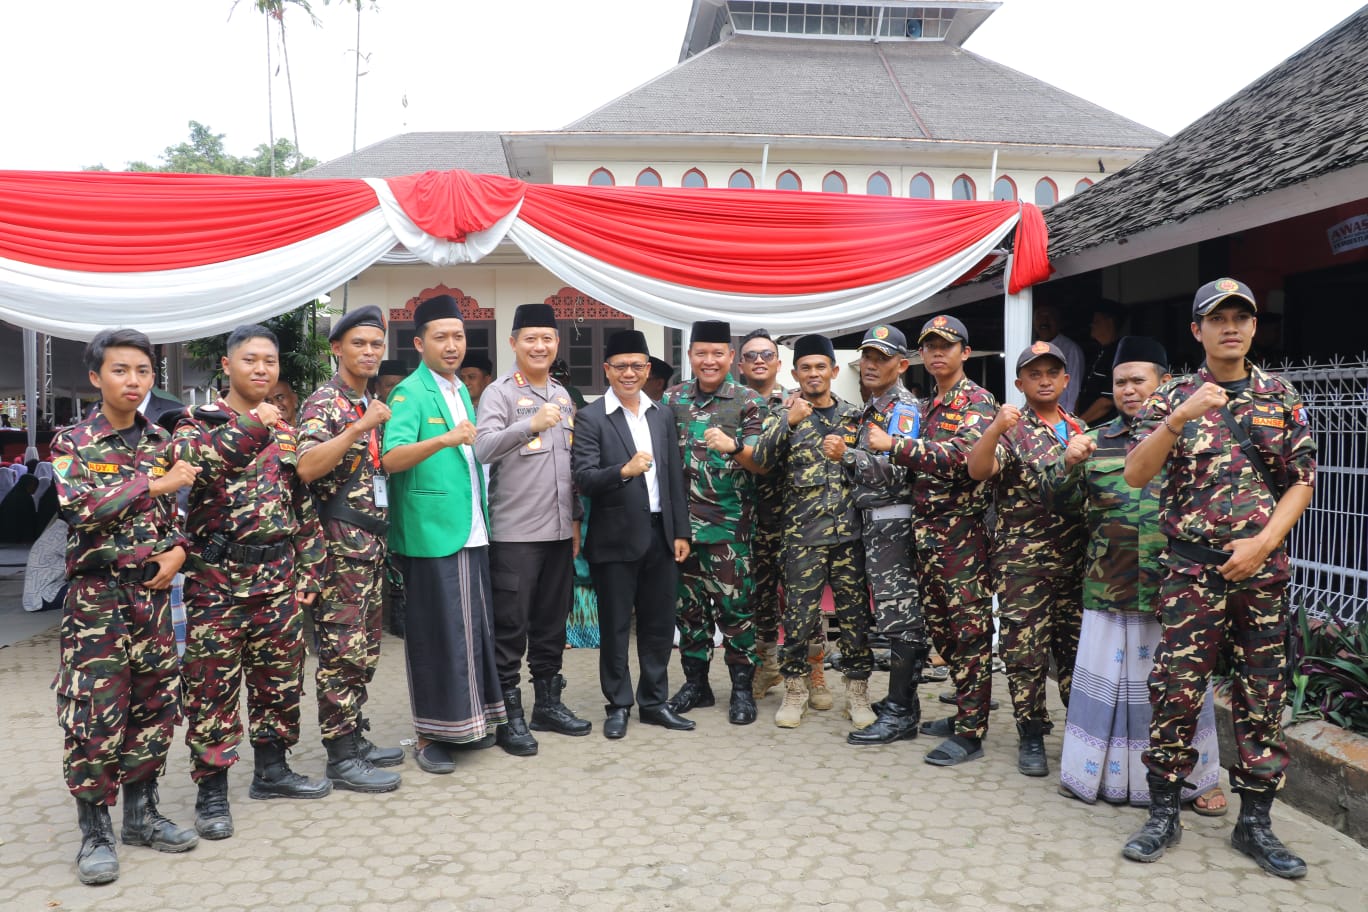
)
(183, 256)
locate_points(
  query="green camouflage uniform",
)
(118, 682)
(715, 580)
(821, 537)
(767, 546)
(952, 543)
(348, 613)
(1212, 497)
(241, 612)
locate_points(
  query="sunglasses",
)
(752, 356)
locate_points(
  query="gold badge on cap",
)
(1040, 348)
(939, 321)
(1227, 285)
(881, 332)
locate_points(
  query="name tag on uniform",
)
(1266, 421)
(104, 467)
(437, 420)
(381, 488)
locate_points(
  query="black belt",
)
(657, 519)
(218, 547)
(1200, 554)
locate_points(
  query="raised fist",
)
(377, 413)
(799, 410)
(548, 416)
(880, 441)
(268, 414)
(833, 447)
(1006, 418)
(718, 441)
(1080, 447)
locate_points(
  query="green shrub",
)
(1330, 674)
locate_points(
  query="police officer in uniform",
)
(1241, 466)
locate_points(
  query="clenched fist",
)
(180, 475)
(462, 434)
(548, 416)
(268, 414)
(377, 413)
(717, 440)
(833, 447)
(799, 410)
(639, 464)
(880, 441)
(1006, 419)
(1209, 396)
(1080, 447)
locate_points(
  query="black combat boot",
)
(349, 768)
(213, 820)
(696, 692)
(900, 712)
(1031, 760)
(513, 736)
(377, 755)
(1253, 835)
(273, 777)
(144, 825)
(550, 714)
(96, 862)
(741, 711)
(1162, 829)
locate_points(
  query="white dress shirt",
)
(1074, 367)
(641, 436)
(479, 535)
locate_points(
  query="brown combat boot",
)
(818, 695)
(790, 714)
(858, 710)
(767, 676)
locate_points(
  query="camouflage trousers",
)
(807, 571)
(767, 567)
(118, 687)
(1204, 617)
(347, 619)
(900, 619)
(958, 607)
(1040, 617)
(715, 590)
(260, 639)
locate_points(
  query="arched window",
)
(741, 180)
(789, 181)
(649, 177)
(601, 177)
(834, 182)
(963, 188)
(1046, 194)
(921, 187)
(1082, 185)
(1004, 189)
(694, 178)
(879, 185)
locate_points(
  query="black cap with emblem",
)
(1214, 294)
(947, 327)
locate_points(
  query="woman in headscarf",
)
(18, 512)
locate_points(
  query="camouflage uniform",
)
(715, 581)
(951, 543)
(118, 684)
(1037, 558)
(241, 610)
(767, 563)
(821, 537)
(1212, 497)
(348, 613)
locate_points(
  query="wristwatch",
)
(740, 445)
(848, 457)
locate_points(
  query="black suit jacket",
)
(620, 511)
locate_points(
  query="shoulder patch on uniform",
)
(313, 424)
(398, 398)
(1299, 415)
(61, 465)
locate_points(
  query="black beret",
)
(478, 360)
(710, 331)
(626, 342)
(442, 307)
(538, 314)
(813, 345)
(661, 370)
(369, 315)
(393, 369)
(1139, 348)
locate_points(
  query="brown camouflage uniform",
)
(1214, 496)
(241, 611)
(118, 682)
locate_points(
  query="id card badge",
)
(381, 489)
(904, 420)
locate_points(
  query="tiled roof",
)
(1303, 119)
(409, 153)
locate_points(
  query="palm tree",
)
(275, 9)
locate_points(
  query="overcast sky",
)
(91, 81)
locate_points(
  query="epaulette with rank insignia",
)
(519, 379)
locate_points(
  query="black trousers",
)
(648, 588)
(533, 590)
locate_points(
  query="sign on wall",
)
(1350, 234)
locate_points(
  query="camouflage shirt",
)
(1121, 568)
(819, 498)
(249, 492)
(951, 425)
(1032, 538)
(769, 489)
(1213, 495)
(884, 493)
(102, 482)
(323, 416)
(721, 491)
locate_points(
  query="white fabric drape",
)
(425, 248)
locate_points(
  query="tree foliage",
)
(205, 152)
(304, 352)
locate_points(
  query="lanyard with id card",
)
(379, 481)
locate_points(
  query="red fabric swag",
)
(452, 204)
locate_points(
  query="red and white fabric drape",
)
(182, 256)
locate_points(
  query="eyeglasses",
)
(753, 356)
(635, 367)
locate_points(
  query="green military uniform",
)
(767, 547)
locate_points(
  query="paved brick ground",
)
(723, 817)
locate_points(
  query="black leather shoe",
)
(665, 717)
(1253, 835)
(434, 758)
(1031, 759)
(615, 726)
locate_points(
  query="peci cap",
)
(813, 345)
(947, 327)
(887, 339)
(441, 307)
(1214, 294)
(1139, 348)
(539, 314)
(1039, 350)
(710, 331)
(480, 360)
(626, 342)
(390, 368)
(661, 370)
(369, 315)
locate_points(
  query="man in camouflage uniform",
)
(1038, 550)
(821, 530)
(885, 495)
(1241, 466)
(718, 422)
(256, 552)
(951, 539)
(340, 441)
(118, 685)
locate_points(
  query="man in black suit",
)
(625, 459)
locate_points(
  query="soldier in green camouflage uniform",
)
(1227, 510)
(118, 684)
(1038, 551)
(822, 529)
(951, 540)
(340, 441)
(256, 552)
(718, 422)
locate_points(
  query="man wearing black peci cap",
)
(477, 372)
(388, 377)
(524, 435)
(659, 381)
